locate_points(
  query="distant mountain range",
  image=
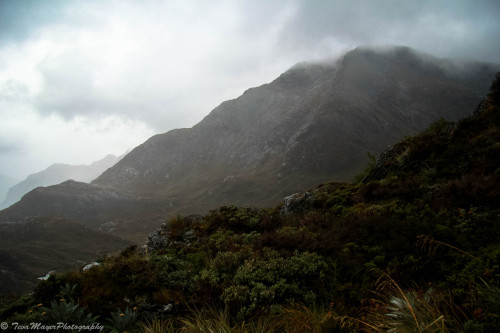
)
(315, 123)
(55, 174)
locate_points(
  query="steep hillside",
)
(55, 174)
(314, 123)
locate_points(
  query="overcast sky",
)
(81, 79)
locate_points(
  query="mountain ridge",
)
(230, 125)
(314, 123)
(55, 174)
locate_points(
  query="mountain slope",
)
(35, 246)
(101, 208)
(56, 174)
(314, 123)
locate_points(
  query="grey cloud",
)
(14, 91)
(69, 90)
(305, 29)
(446, 28)
(18, 19)
(9, 148)
(67, 86)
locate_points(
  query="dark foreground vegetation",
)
(412, 246)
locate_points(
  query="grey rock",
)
(297, 203)
(158, 239)
(89, 266)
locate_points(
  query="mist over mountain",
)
(56, 174)
(315, 123)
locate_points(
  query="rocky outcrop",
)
(297, 203)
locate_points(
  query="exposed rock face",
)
(297, 203)
(315, 123)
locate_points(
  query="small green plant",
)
(491, 297)
(68, 291)
(68, 312)
(122, 321)
(410, 312)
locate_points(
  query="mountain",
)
(5, 183)
(99, 207)
(411, 248)
(55, 174)
(314, 123)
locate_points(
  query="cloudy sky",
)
(81, 79)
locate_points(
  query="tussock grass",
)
(157, 325)
(405, 311)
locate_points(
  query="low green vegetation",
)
(413, 246)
